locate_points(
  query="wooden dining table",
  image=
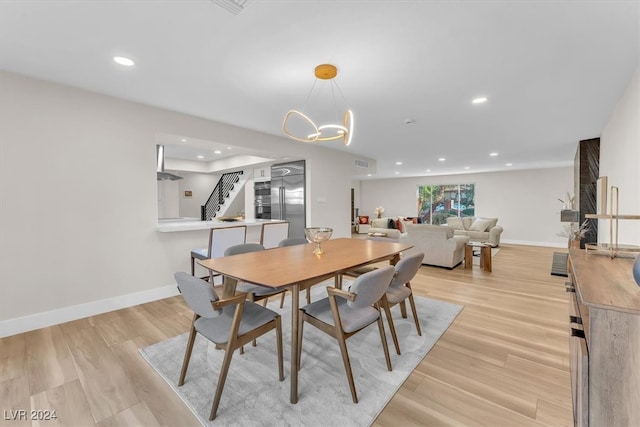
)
(297, 267)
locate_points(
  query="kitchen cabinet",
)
(262, 174)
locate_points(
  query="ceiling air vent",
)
(233, 6)
(362, 163)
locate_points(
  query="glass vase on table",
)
(318, 235)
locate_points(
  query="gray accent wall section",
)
(78, 195)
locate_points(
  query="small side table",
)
(363, 228)
(485, 255)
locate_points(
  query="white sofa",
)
(476, 229)
(381, 225)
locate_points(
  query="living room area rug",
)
(253, 396)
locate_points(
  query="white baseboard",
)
(67, 314)
(528, 243)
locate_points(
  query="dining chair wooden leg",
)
(187, 353)
(308, 295)
(383, 338)
(264, 304)
(392, 327)
(403, 309)
(300, 326)
(279, 348)
(254, 342)
(347, 364)
(224, 370)
(282, 299)
(412, 303)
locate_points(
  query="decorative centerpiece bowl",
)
(318, 235)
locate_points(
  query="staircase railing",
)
(225, 185)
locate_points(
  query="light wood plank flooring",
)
(503, 362)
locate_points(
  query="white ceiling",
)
(552, 70)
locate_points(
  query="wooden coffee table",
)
(377, 234)
(485, 255)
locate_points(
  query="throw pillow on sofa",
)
(455, 223)
(363, 219)
(391, 224)
(480, 225)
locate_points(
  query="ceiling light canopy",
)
(479, 100)
(299, 126)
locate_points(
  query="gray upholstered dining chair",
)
(400, 290)
(254, 292)
(293, 241)
(228, 323)
(219, 240)
(343, 314)
(272, 233)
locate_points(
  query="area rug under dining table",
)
(253, 396)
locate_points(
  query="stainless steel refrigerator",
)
(288, 196)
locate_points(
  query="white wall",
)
(620, 161)
(168, 199)
(201, 185)
(524, 201)
(78, 195)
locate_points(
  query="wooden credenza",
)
(605, 340)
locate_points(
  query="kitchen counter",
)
(170, 225)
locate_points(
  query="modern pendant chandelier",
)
(306, 129)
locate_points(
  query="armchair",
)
(439, 245)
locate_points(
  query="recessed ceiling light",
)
(398, 163)
(127, 62)
(479, 100)
(200, 156)
(441, 159)
(183, 140)
(368, 174)
(494, 154)
(397, 173)
(467, 168)
(428, 170)
(228, 148)
(218, 152)
(508, 164)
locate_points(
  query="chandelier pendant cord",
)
(304, 106)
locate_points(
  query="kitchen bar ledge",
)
(171, 225)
